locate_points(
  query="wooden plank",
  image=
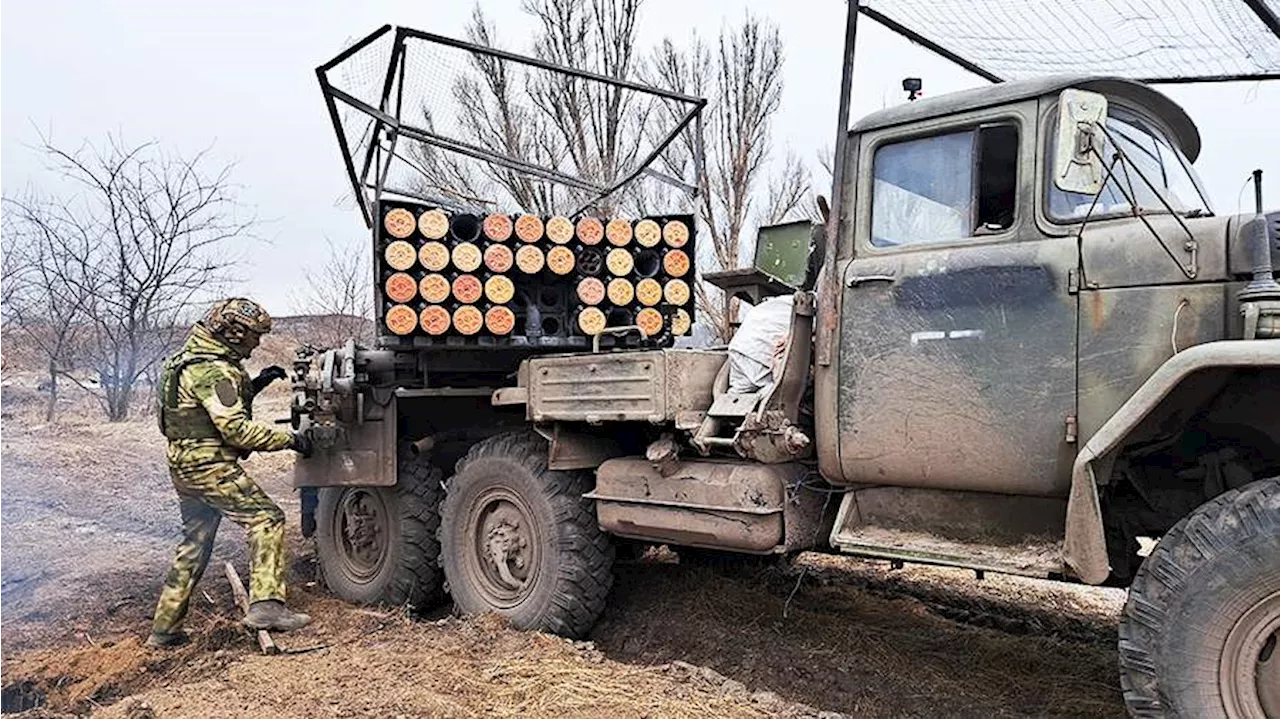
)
(265, 642)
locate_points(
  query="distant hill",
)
(324, 330)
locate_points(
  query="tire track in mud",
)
(866, 646)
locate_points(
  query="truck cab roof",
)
(1183, 128)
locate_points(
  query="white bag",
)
(753, 348)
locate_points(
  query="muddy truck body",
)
(1020, 343)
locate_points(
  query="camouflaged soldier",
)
(204, 406)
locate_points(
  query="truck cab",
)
(986, 324)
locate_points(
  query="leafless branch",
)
(338, 298)
(579, 127)
(788, 193)
(143, 238)
(742, 75)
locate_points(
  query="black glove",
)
(302, 444)
(267, 376)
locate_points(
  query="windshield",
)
(1155, 158)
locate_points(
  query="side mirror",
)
(1077, 159)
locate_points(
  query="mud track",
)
(90, 522)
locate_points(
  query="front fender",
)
(1085, 546)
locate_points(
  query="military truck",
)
(1022, 342)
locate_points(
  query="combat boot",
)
(167, 640)
(272, 615)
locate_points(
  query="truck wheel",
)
(520, 540)
(1198, 634)
(377, 545)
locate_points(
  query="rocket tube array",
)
(458, 274)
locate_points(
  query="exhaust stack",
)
(1260, 299)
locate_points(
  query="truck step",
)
(1031, 559)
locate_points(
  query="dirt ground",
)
(89, 522)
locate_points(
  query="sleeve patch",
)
(226, 392)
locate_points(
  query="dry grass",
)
(382, 667)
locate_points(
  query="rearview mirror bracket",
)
(1077, 161)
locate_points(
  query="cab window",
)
(945, 187)
(1150, 155)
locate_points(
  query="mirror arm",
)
(1189, 270)
(1084, 282)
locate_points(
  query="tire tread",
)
(586, 567)
(1212, 530)
(416, 581)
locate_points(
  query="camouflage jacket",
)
(211, 378)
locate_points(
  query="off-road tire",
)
(408, 572)
(1203, 576)
(570, 569)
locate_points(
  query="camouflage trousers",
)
(206, 493)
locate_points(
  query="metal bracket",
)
(595, 339)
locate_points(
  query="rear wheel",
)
(1198, 635)
(377, 545)
(520, 540)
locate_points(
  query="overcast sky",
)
(238, 75)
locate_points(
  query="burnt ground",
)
(89, 523)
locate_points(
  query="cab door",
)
(958, 327)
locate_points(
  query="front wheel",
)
(520, 540)
(1199, 631)
(377, 545)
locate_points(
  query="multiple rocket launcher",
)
(456, 274)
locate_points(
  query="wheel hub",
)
(1249, 672)
(505, 547)
(504, 557)
(362, 519)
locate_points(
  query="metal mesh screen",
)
(362, 76)
(1152, 40)
(461, 125)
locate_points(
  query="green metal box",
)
(782, 252)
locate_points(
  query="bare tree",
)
(45, 301)
(583, 128)
(12, 265)
(597, 132)
(144, 235)
(339, 299)
(789, 193)
(11, 274)
(742, 77)
(596, 125)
